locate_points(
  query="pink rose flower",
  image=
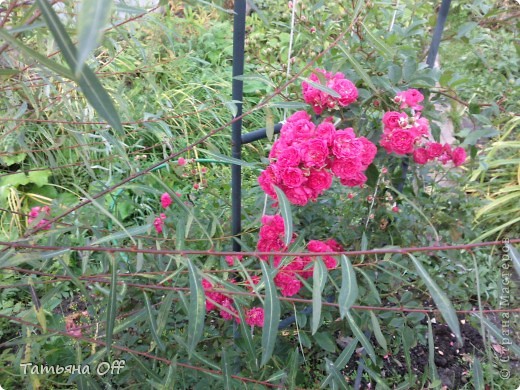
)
(345, 167)
(410, 99)
(299, 196)
(255, 317)
(35, 214)
(369, 152)
(291, 177)
(434, 149)
(354, 179)
(288, 157)
(314, 153)
(159, 222)
(166, 200)
(420, 156)
(393, 119)
(458, 156)
(319, 180)
(402, 141)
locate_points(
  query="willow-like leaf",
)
(271, 315)
(440, 298)
(197, 308)
(348, 292)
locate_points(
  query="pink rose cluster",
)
(320, 100)
(405, 134)
(287, 280)
(225, 308)
(35, 214)
(224, 304)
(306, 157)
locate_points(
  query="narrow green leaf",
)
(325, 341)
(285, 211)
(196, 355)
(92, 18)
(132, 321)
(381, 384)
(112, 302)
(133, 231)
(515, 257)
(431, 353)
(349, 290)
(144, 367)
(335, 374)
(377, 332)
(440, 299)
(478, 375)
(341, 361)
(256, 77)
(226, 374)
(499, 336)
(164, 311)
(371, 285)
(271, 315)
(152, 323)
(104, 211)
(87, 80)
(361, 337)
(318, 283)
(269, 124)
(245, 331)
(43, 60)
(321, 87)
(359, 69)
(289, 105)
(293, 368)
(228, 160)
(169, 381)
(197, 310)
(8, 72)
(378, 43)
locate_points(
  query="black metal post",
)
(259, 134)
(437, 33)
(239, 32)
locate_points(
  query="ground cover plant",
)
(379, 226)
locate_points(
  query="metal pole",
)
(437, 33)
(239, 32)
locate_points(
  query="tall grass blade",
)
(440, 298)
(112, 303)
(478, 375)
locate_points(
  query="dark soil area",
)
(452, 362)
